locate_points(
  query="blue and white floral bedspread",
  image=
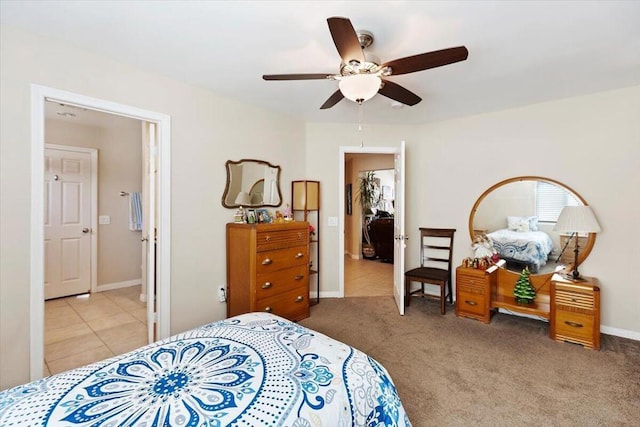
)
(254, 369)
(531, 247)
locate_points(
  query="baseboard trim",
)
(623, 333)
(118, 285)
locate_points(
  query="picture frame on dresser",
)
(251, 216)
(263, 216)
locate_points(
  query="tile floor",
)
(85, 329)
(367, 278)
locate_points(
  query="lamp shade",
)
(577, 219)
(359, 87)
(243, 199)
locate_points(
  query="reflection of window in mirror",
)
(550, 200)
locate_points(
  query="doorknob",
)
(85, 230)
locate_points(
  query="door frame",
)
(39, 95)
(93, 152)
(344, 150)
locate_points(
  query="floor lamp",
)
(575, 220)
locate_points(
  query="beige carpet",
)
(456, 371)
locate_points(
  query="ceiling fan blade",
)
(424, 61)
(345, 39)
(297, 76)
(333, 100)
(395, 91)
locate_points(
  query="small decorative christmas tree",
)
(524, 292)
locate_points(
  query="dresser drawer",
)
(471, 284)
(277, 282)
(471, 303)
(281, 258)
(577, 300)
(268, 240)
(293, 305)
(574, 325)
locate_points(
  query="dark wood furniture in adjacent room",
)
(436, 252)
(268, 269)
(381, 233)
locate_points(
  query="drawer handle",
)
(267, 261)
(267, 285)
(267, 238)
(573, 324)
(299, 277)
(300, 298)
(299, 235)
(268, 309)
(471, 302)
(299, 255)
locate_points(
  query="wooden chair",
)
(436, 251)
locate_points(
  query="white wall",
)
(206, 131)
(590, 143)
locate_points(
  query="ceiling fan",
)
(362, 76)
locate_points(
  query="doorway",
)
(369, 244)
(158, 270)
(397, 153)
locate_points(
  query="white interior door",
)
(398, 230)
(149, 228)
(67, 223)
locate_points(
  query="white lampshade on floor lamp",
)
(574, 220)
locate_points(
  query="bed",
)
(255, 369)
(530, 248)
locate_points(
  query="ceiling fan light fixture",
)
(359, 87)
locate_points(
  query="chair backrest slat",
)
(436, 247)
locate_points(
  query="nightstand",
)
(575, 311)
(568, 257)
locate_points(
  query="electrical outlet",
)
(222, 295)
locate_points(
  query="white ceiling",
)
(520, 52)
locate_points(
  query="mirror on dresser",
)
(252, 183)
(528, 207)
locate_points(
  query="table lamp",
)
(574, 220)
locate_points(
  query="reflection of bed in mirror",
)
(522, 249)
(524, 205)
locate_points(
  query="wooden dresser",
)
(572, 308)
(268, 269)
(575, 311)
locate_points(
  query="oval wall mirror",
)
(252, 183)
(528, 207)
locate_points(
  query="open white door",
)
(398, 230)
(150, 228)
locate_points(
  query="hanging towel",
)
(135, 212)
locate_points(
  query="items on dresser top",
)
(268, 269)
